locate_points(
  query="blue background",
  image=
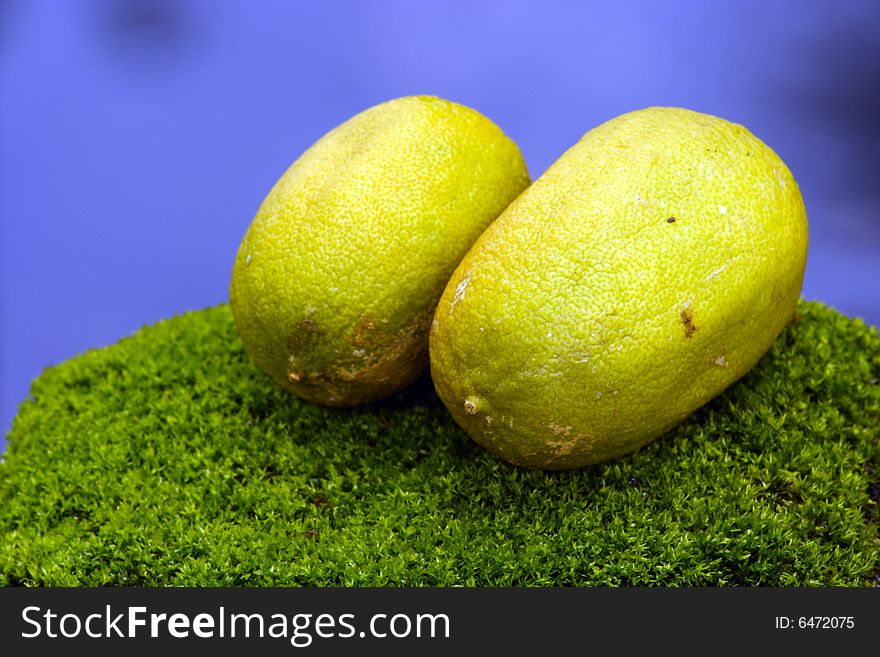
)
(138, 137)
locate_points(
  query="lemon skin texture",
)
(649, 268)
(336, 280)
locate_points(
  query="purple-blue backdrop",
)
(137, 137)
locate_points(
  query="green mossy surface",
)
(169, 459)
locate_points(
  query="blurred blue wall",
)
(137, 137)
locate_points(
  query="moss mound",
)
(169, 459)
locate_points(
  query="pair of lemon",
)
(567, 321)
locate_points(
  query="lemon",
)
(649, 268)
(338, 275)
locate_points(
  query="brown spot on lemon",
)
(351, 381)
(561, 447)
(687, 318)
(558, 429)
(362, 331)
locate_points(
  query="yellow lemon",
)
(338, 275)
(649, 268)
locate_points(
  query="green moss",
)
(168, 459)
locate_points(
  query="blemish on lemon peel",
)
(715, 273)
(362, 330)
(460, 291)
(558, 429)
(562, 447)
(474, 404)
(687, 318)
(721, 361)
